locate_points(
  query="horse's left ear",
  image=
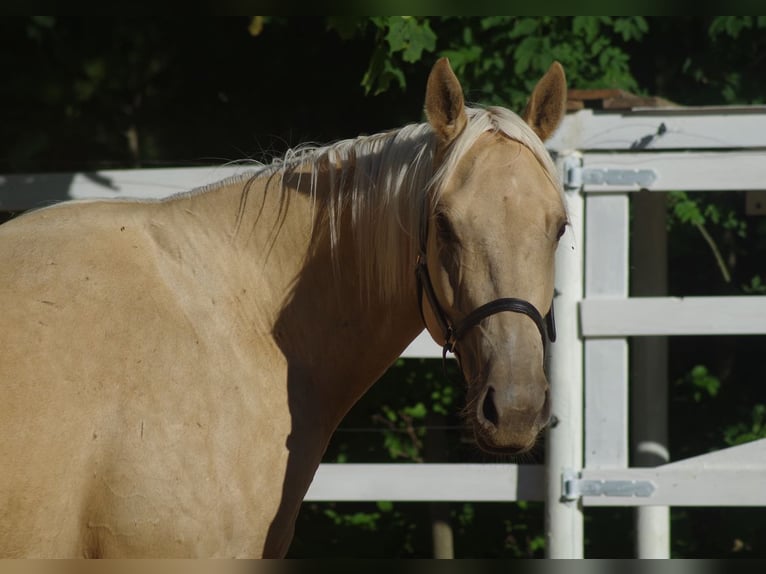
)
(548, 102)
(445, 106)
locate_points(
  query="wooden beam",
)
(613, 99)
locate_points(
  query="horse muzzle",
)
(509, 420)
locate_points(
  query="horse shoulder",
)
(153, 391)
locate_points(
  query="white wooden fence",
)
(604, 157)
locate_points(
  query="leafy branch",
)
(687, 210)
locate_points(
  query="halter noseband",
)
(453, 333)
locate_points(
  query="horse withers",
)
(172, 371)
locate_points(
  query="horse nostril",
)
(488, 408)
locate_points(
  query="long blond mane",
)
(386, 180)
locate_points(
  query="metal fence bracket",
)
(574, 487)
(576, 175)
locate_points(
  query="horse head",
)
(491, 226)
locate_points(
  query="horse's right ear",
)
(445, 107)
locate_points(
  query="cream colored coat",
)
(171, 372)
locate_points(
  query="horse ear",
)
(445, 107)
(547, 104)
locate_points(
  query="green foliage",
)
(364, 520)
(700, 210)
(443, 398)
(734, 25)
(482, 51)
(742, 432)
(360, 530)
(708, 213)
(725, 66)
(684, 209)
(592, 49)
(403, 439)
(755, 287)
(408, 35)
(400, 40)
(703, 383)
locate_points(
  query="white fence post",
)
(564, 519)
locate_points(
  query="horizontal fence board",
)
(19, 192)
(646, 316)
(427, 482)
(690, 171)
(749, 456)
(684, 170)
(723, 127)
(733, 476)
(423, 347)
(685, 487)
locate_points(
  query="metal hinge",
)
(574, 487)
(572, 172)
(576, 176)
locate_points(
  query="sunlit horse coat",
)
(172, 371)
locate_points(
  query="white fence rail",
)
(644, 316)
(428, 482)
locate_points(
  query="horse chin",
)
(514, 438)
(490, 446)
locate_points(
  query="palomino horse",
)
(172, 371)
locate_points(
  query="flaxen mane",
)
(383, 179)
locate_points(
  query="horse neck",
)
(341, 333)
(337, 336)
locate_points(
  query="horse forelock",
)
(386, 180)
(497, 120)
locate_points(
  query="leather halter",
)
(454, 333)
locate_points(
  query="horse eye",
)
(444, 228)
